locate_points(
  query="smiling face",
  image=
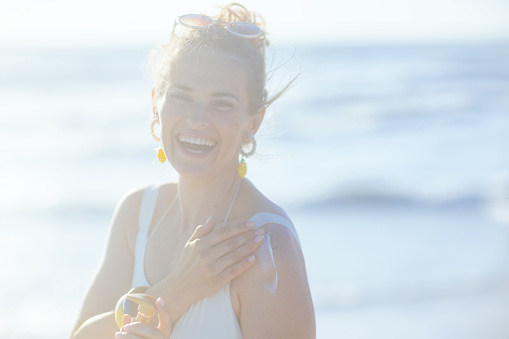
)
(204, 114)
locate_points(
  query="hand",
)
(211, 258)
(140, 330)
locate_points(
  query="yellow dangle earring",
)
(160, 155)
(242, 168)
(159, 151)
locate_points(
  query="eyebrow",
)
(214, 94)
(224, 94)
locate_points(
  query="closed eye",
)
(180, 98)
(222, 105)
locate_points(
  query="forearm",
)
(174, 294)
(101, 326)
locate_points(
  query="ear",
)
(256, 121)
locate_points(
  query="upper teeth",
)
(196, 141)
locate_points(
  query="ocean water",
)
(392, 162)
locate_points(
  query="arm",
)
(113, 277)
(208, 261)
(203, 268)
(288, 314)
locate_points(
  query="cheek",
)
(169, 115)
(233, 127)
(168, 121)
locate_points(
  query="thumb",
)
(203, 230)
(165, 322)
(126, 319)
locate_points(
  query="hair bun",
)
(236, 12)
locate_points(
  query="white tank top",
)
(212, 317)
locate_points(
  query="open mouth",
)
(196, 145)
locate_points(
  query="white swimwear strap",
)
(264, 218)
(147, 207)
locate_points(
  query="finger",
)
(142, 330)
(203, 230)
(125, 335)
(224, 233)
(126, 319)
(232, 244)
(239, 254)
(237, 269)
(165, 322)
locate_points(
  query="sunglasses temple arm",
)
(174, 25)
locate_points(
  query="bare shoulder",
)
(131, 200)
(125, 218)
(128, 206)
(278, 261)
(274, 291)
(134, 195)
(281, 248)
(283, 242)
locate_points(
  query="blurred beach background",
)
(390, 154)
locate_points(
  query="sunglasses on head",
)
(239, 29)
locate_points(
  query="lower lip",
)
(192, 153)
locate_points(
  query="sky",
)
(134, 23)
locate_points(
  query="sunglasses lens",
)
(244, 29)
(196, 20)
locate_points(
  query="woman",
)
(241, 273)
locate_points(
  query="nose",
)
(197, 116)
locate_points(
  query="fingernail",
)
(259, 231)
(118, 334)
(250, 224)
(161, 302)
(258, 238)
(127, 327)
(208, 220)
(251, 258)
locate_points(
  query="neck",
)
(202, 198)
